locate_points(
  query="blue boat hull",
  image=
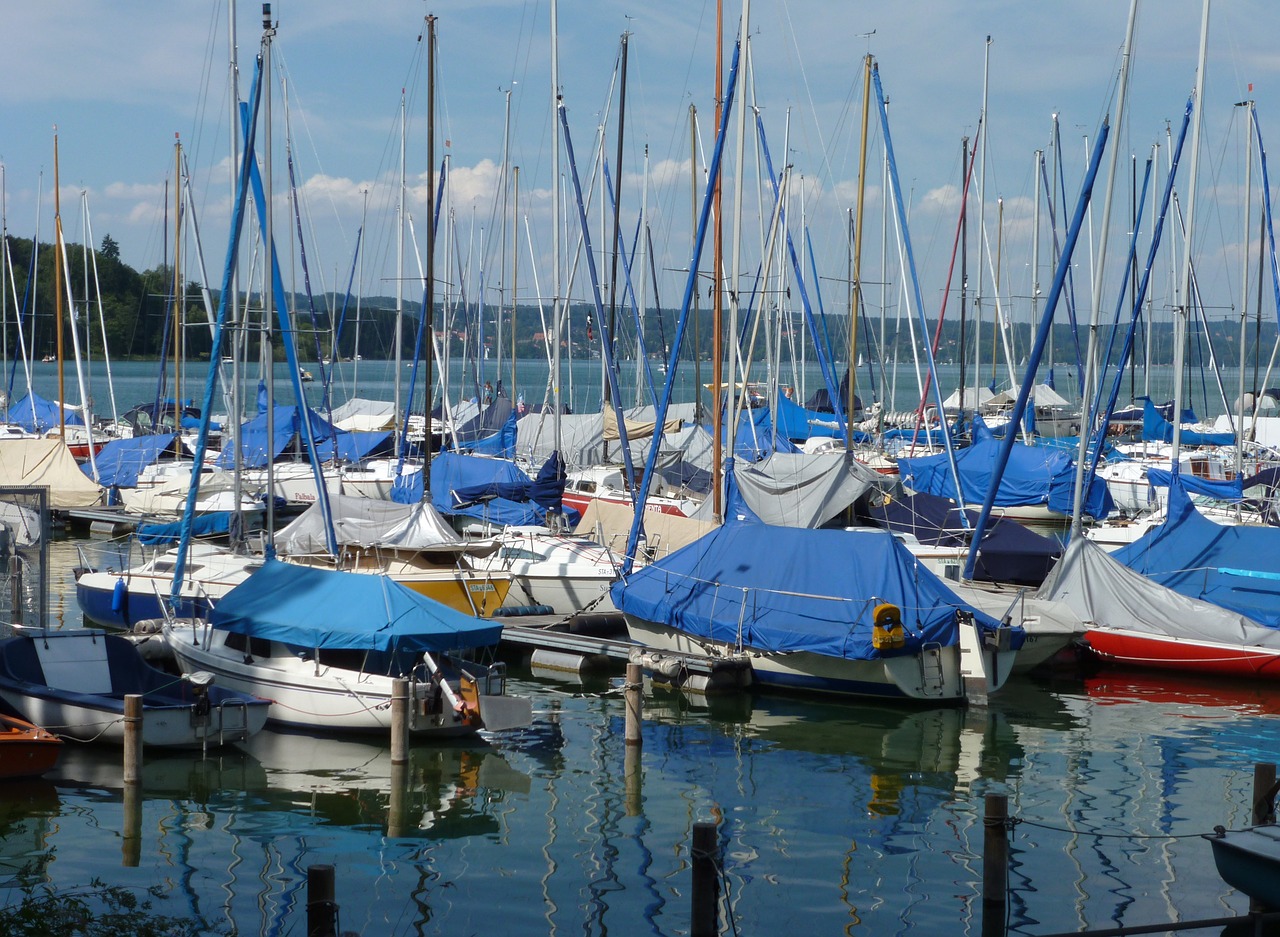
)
(1249, 861)
(109, 609)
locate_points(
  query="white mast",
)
(1090, 364)
(556, 310)
(1181, 312)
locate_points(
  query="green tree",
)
(110, 249)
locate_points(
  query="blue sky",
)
(120, 78)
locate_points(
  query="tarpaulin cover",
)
(1233, 566)
(1009, 552)
(36, 415)
(120, 461)
(459, 483)
(1155, 428)
(735, 583)
(1033, 475)
(202, 525)
(1220, 489)
(256, 450)
(320, 608)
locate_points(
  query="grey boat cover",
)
(798, 490)
(1108, 595)
(369, 522)
(363, 415)
(583, 435)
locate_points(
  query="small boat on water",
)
(1249, 861)
(76, 681)
(844, 612)
(26, 750)
(326, 647)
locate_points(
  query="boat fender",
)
(118, 595)
(886, 630)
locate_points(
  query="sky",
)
(119, 79)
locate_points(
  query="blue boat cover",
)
(1155, 428)
(1219, 489)
(502, 444)
(797, 423)
(1009, 551)
(37, 415)
(202, 525)
(255, 450)
(1033, 475)
(322, 608)
(821, 599)
(496, 490)
(1234, 566)
(121, 460)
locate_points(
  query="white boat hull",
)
(933, 675)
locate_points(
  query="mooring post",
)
(399, 721)
(1264, 794)
(132, 738)
(1264, 809)
(705, 918)
(635, 704)
(322, 909)
(995, 865)
(15, 588)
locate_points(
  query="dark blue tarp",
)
(120, 460)
(1033, 475)
(820, 598)
(1155, 428)
(320, 608)
(37, 415)
(495, 490)
(1234, 566)
(1009, 552)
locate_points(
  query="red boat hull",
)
(26, 751)
(1151, 652)
(581, 504)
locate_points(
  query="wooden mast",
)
(855, 298)
(717, 298)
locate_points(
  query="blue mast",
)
(1042, 336)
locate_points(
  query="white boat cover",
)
(1042, 395)
(369, 522)
(1106, 594)
(47, 463)
(360, 415)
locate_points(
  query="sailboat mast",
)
(400, 429)
(982, 235)
(717, 299)
(268, 292)
(429, 311)
(855, 301)
(557, 311)
(515, 270)
(617, 200)
(1087, 414)
(693, 207)
(735, 275)
(1182, 310)
(1238, 417)
(177, 280)
(57, 290)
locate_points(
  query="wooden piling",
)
(15, 589)
(635, 704)
(131, 835)
(632, 779)
(398, 808)
(1264, 794)
(704, 919)
(399, 721)
(322, 909)
(995, 865)
(132, 738)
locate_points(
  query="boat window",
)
(519, 553)
(587, 486)
(167, 566)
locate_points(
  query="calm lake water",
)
(833, 817)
